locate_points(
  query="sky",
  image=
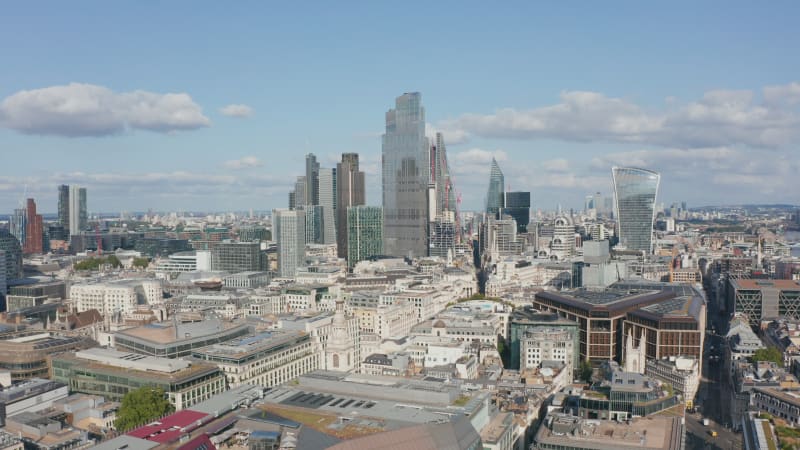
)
(212, 106)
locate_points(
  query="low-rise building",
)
(565, 432)
(30, 396)
(267, 359)
(120, 296)
(112, 374)
(24, 353)
(681, 373)
(175, 339)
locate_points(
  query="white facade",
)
(548, 344)
(327, 192)
(563, 244)
(289, 232)
(117, 296)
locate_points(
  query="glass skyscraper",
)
(518, 206)
(495, 197)
(635, 192)
(405, 176)
(349, 192)
(289, 228)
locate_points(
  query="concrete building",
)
(266, 359)
(764, 299)
(78, 219)
(175, 339)
(10, 246)
(565, 432)
(681, 373)
(112, 374)
(31, 395)
(24, 354)
(327, 200)
(541, 344)
(121, 296)
(289, 228)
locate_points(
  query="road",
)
(714, 393)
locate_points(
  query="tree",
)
(113, 261)
(768, 354)
(141, 263)
(141, 406)
(585, 372)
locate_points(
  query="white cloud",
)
(89, 110)
(719, 118)
(245, 162)
(452, 136)
(556, 165)
(237, 110)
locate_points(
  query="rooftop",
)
(758, 284)
(253, 343)
(653, 433)
(132, 360)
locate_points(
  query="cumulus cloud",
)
(245, 162)
(80, 109)
(452, 136)
(718, 118)
(237, 110)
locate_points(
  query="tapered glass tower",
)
(635, 192)
(405, 178)
(496, 195)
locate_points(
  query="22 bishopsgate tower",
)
(405, 178)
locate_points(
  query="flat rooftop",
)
(168, 332)
(651, 433)
(756, 284)
(133, 361)
(251, 344)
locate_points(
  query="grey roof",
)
(126, 442)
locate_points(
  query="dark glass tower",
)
(518, 206)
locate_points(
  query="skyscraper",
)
(405, 178)
(495, 196)
(326, 198)
(350, 192)
(312, 180)
(77, 210)
(635, 191)
(9, 245)
(314, 225)
(300, 194)
(364, 233)
(18, 225)
(518, 206)
(63, 206)
(33, 229)
(440, 177)
(289, 231)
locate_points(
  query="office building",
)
(443, 235)
(527, 321)
(175, 340)
(565, 432)
(13, 255)
(364, 233)
(635, 191)
(266, 359)
(32, 395)
(297, 198)
(24, 353)
(542, 345)
(63, 206)
(314, 226)
(326, 196)
(33, 230)
(405, 178)
(254, 233)
(495, 197)
(764, 299)
(78, 219)
(17, 225)
(441, 179)
(116, 297)
(312, 180)
(350, 191)
(562, 247)
(232, 256)
(518, 206)
(112, 374)
(289, 227)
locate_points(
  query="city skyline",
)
(557, 109)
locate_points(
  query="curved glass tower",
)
(495, 197)
(635, 192)
(405, 178)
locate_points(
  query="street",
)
(713, 397)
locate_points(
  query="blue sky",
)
(127, 98)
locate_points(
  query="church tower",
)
(342, 350)
(635, 357)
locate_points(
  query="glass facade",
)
(405, 177)
(635, 191)
(495, 197)
(364, 233)
(290, 233)
(518, 206)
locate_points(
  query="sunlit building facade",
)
(635, 192)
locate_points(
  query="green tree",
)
(113, 261)
(141, 263)
(768, 354)
(585, 372)
(89, 264)
(141, 406)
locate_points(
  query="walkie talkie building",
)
(635, 192)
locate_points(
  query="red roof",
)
(169, 428)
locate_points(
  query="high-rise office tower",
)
(635, 191)
(234, 257)
(300, 194)
(9, 245)
(326, 196)
(63, 206)
(405, 178)
(3, 282)
(17, 225)
(443, 235)
(314, 224)
(289, 232)
(495, 195)
(518, 206)
(440, 177)
(350, 191)
(77, 210)
(562, 247)
(312, 180)
(364, 233)
(33, 229)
